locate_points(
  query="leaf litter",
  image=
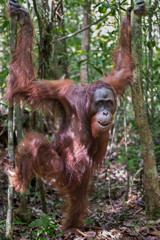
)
(110, 216)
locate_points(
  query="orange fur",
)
(79, 147)
(122, 75)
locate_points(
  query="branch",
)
(83, 29)
(39, 21)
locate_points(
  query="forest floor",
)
(110, 216)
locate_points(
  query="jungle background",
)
(64, 50)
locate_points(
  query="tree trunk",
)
(63, 42)
(126, 153)
(19, 127)
(59, 57)
(85, 43)
(9, 232)
(10, 186)
(151, 183)
(151, 64)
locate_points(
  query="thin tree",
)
(9, 231)
(85, 43)
(152, 191)
(10, 186)
(21, 211)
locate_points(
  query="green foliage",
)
(4, 47)
(89, 221)
(2, 229)
(2, 225)
(44, 227)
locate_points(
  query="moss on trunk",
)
(151, 183)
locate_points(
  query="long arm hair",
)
(23, 84)
(122, 74)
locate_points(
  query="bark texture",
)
(85, 43)
(152, 190)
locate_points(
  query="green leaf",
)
(3, 221)
(36, 223)
(98, 70)
(19, 223)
